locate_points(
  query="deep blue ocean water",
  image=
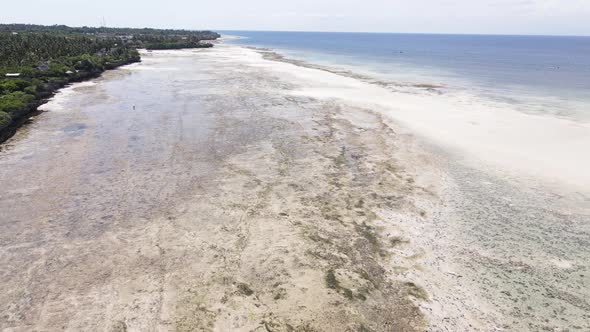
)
(540, 74)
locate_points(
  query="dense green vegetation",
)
(176, 45)
(48, 57)
(24, 51)
(63, 29)
(166, 42)
(137, 38)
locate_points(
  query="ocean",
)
(547, 75)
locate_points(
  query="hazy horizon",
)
(493, 17)
(222, 31)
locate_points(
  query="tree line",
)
(63, 29)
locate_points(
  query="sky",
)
(544, 17)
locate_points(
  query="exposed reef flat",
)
(208, 190)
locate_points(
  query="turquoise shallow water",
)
(537, 74)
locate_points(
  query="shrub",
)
(11, 85)
(5, 119)
(32, 90)
(15, 102)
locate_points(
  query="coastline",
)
(32, 109)
(372, 227)
(26, 86)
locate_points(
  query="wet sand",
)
(206, 190)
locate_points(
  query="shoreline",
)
(32, 109)
(42, 78)
(509, 142)
(241, 198)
